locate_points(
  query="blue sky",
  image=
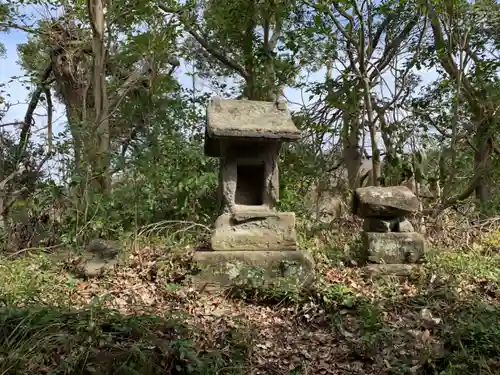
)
(19, 94)
(9, 67)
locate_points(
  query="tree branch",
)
(226, 60)
(50, 114)
(392, 48)
(28, 117)
(445, 57)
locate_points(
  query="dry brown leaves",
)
(277, 340)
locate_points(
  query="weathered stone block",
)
(392, 248)
(404, 226)
(103, 249)
(255, 231)
(250, 119)
(223, 268)
(392, 201)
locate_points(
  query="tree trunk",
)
(482, 160)
(351, 151)
(375, 172)
(101, 168)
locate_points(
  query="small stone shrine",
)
(247, 136)
(388, 239)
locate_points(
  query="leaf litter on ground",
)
(392, 327)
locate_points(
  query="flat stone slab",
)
(392, 248)
(272, 232)
(247, 120)
(250, 119)
(388, 202)
(244, 213)
(225, 268)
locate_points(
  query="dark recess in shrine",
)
(250, 185)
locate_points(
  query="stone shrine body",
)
(247, 136)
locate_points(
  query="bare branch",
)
(28, 117)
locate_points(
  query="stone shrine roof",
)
(250, 119)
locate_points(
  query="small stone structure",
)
(246, 136)
(388, 237)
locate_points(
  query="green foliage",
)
(472, 341)
(28, 281)
(100, 341)
(162, 185)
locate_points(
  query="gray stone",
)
(97, 267)
(247, 119)
(250, 119)
(271, 231)
(380, 225)
(404, 226)
(324, 205)
(242, 214)
(224, 268)
(103, 249)
(101, 256)
(391, 202)
(392, 248)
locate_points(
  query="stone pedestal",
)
(255, 231)
(224, 268)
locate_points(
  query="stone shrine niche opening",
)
(250, 181)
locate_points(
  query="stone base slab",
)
(392, 248)
(224, 268)
(247, 231)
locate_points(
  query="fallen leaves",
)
(425, 337)
(392, 325)
(428, 320)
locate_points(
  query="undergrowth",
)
(52, 322)
(101, 341)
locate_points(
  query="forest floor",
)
(145, 317)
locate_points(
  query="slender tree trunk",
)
(375, 172)
(482, 159)
(102, 160)
(351, 150)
